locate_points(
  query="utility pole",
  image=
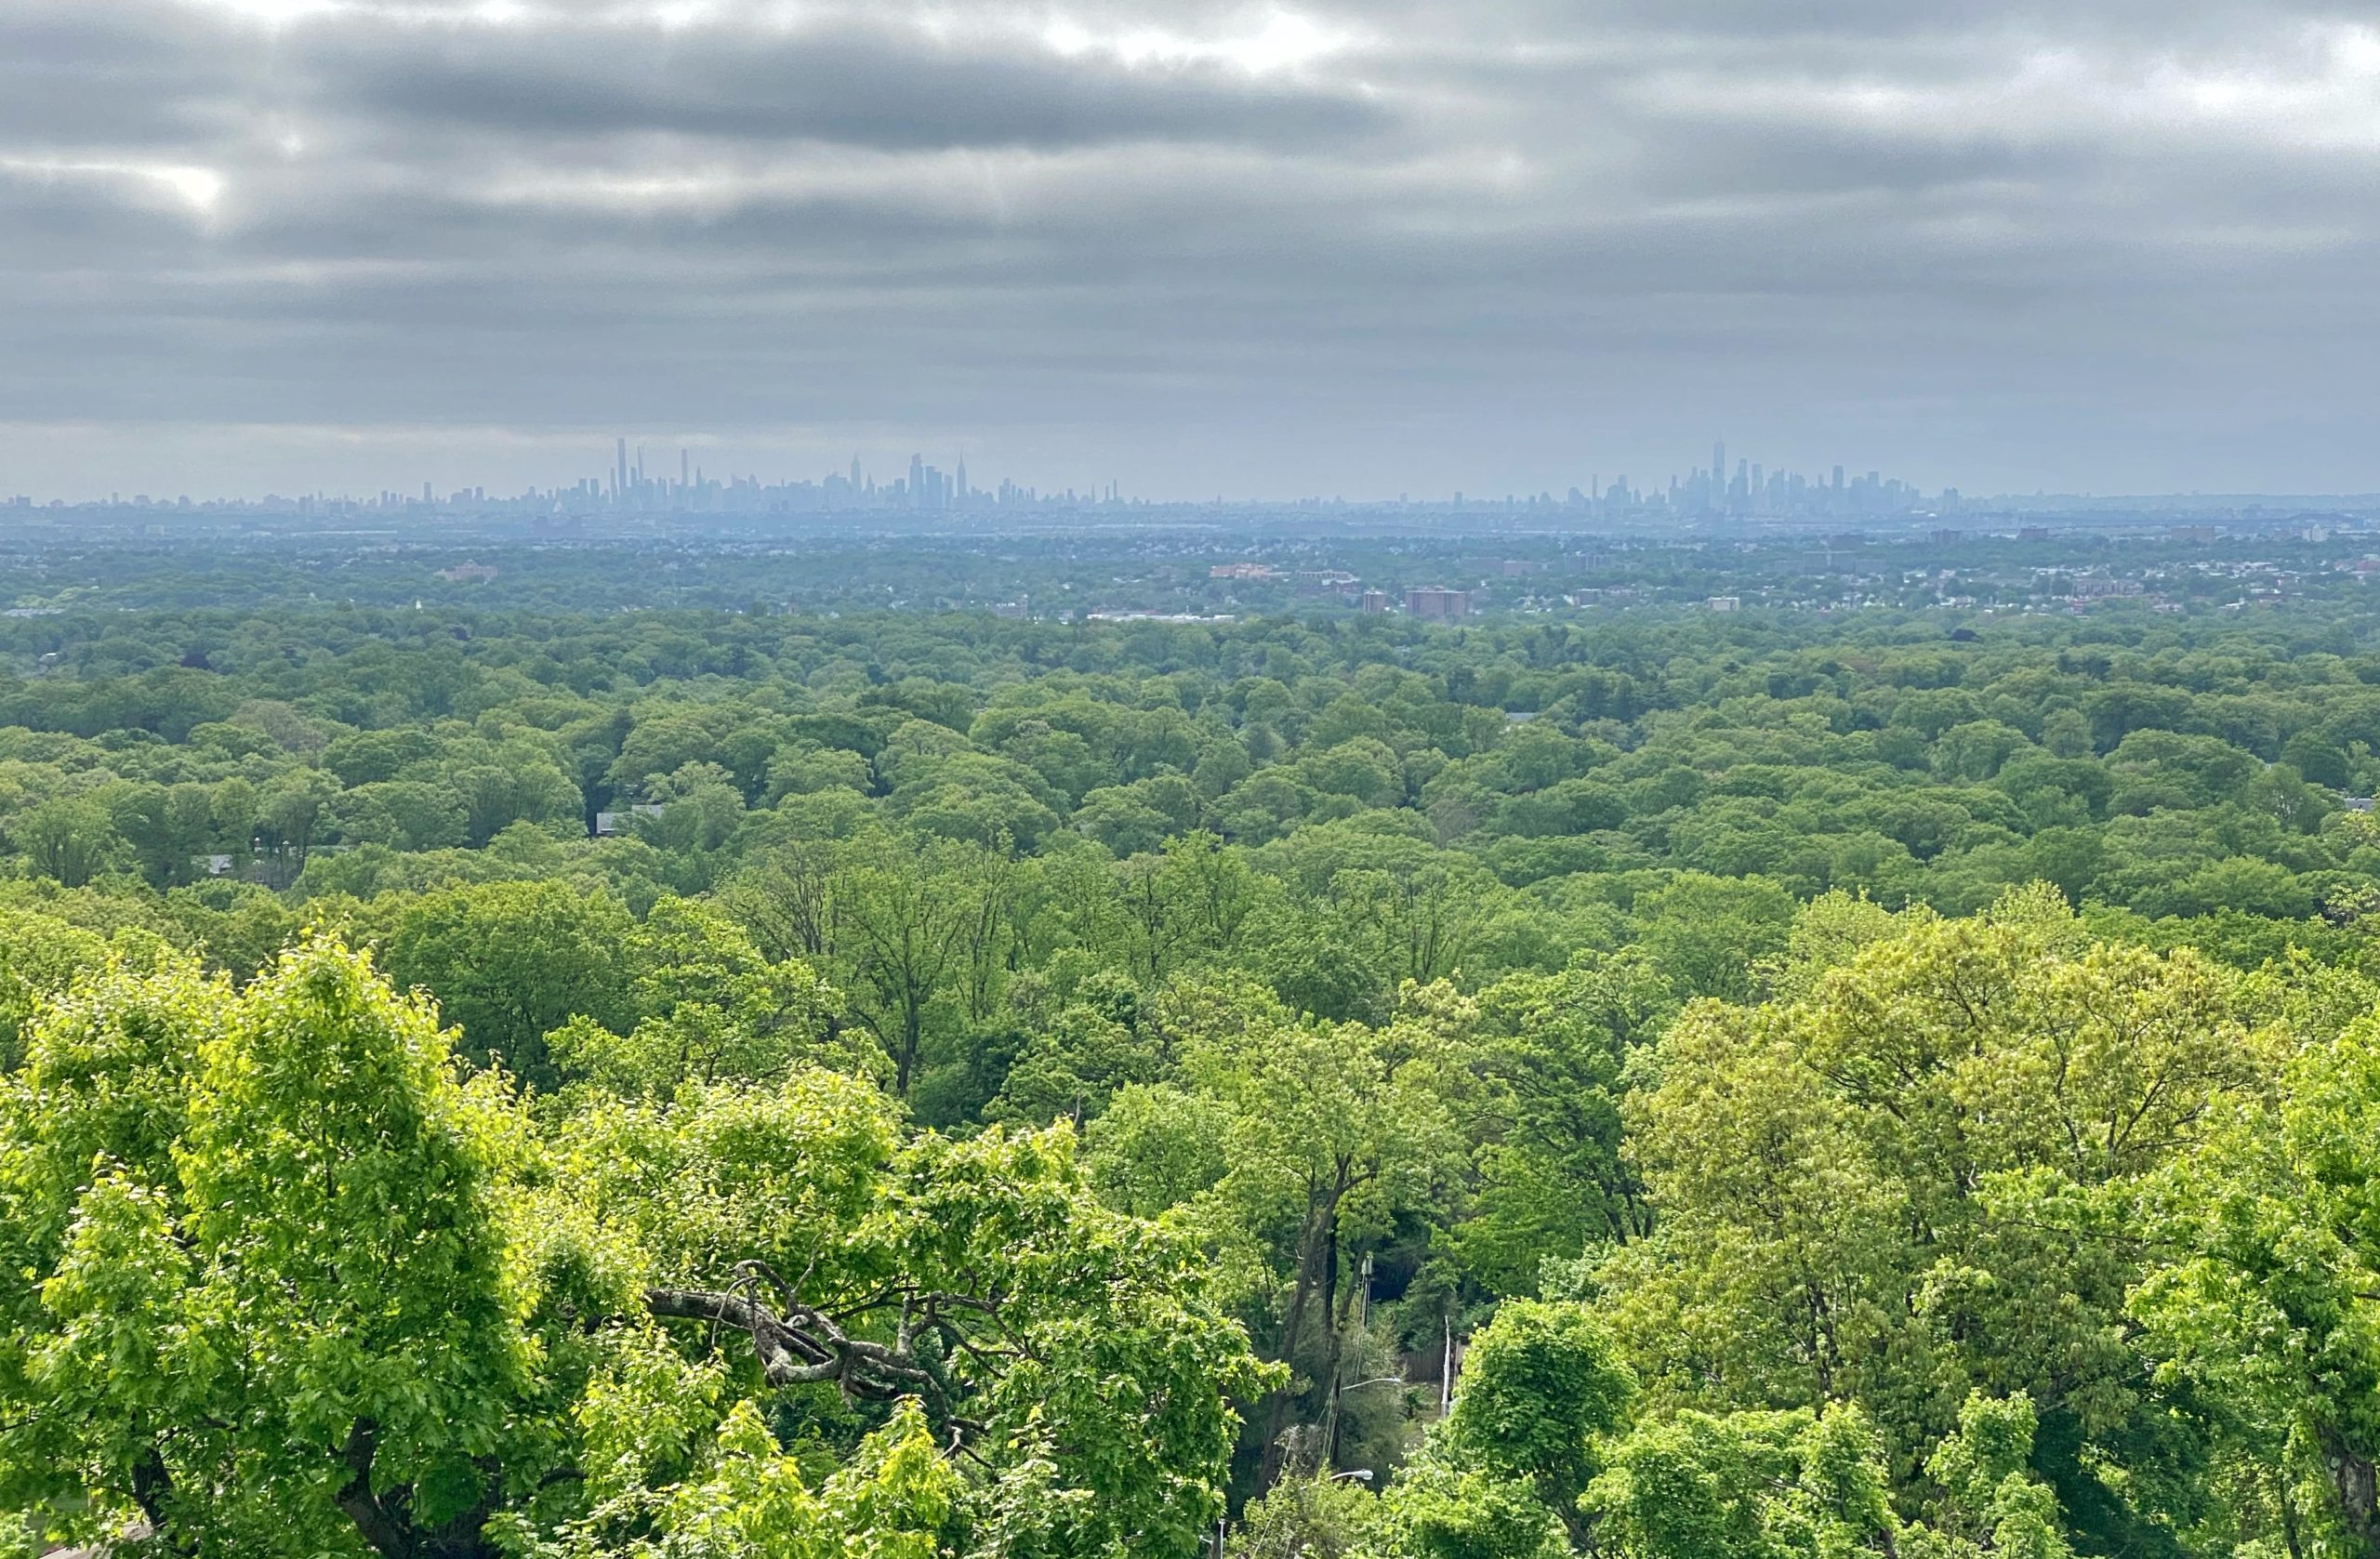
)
(1445, 1371)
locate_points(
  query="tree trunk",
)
(2352, 1476)
(386, 1536)
(1331, 1318)
(386, 1524)
(912, 1026)
(1292, 1329)
(152, 1486)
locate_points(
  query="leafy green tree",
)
(1122, 818)
(1335, 1133)
(40, 956)
(297, 1289)
(291, 812)
(1552, 1175)
(403, 814)
(1794, 1485)
(1704, 932)
(700, 809)
(509, 963)
(909, 933)
(362, 758)
(1157, 1146)
(713, 1010)
(1991, 1503)
(506, 786)
(1857, 1191)
(1073, 1067)
(1438, 1511)
(749, 1499)
(1320, 1517)
(272, 1312)
(69, 838)
(2268, 1306)
(801, 768)
(1073, 1350)
(1542, 1385)
(166, 828)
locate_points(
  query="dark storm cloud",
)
(1401, 243)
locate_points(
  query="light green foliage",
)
(1325, 1517)
(1699, 998)
(1334, 1134)
(1542, 1385)
(1559, 1049)
(39, 957)
(1858, 1191)
(1992, 1503)
(897, 1499)
(1156, 1147)
(2271, 1306)
(1504, 1474)
(1545, 1454)
(1438, 1513)
(270, 1285)
(1746, 1486)
(509, 962)
(734, 1172)
(713, 1009)
(298, 1290)
(1102, 1393)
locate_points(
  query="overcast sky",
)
(1337, 247)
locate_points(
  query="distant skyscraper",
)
(960, 486)
(1719, 464)
(918, 481)
(620, 483)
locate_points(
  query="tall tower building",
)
(620, 481)
(918, 481)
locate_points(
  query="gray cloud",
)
(846, 84)
(1402, 244)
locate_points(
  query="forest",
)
(715, 1085)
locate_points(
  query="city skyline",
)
(625, 483)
